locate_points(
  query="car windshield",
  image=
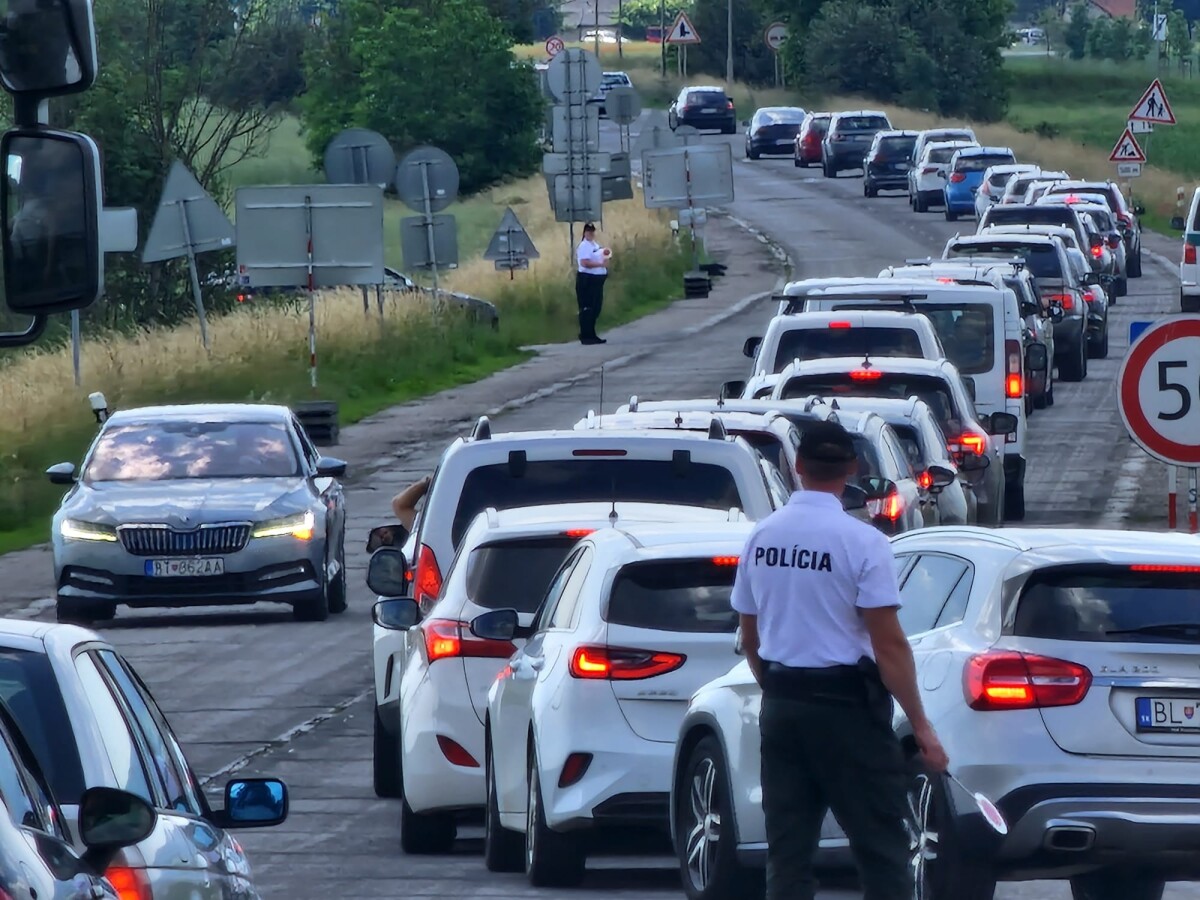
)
(681, 595)
(893, 385)
(863, 123)
(584, 479)
(515, 574)
(1041, 258)
(980, 163)
(836, 342)
(31, 693)
(167, 451)
(1150, 604)
(706, 98)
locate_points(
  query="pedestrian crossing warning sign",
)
(1127, 150)
(1153, 107)
(682, 31)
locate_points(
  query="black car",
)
(772, 131)
(705, 108)
(887, 162)
(848, 139)
(37, 862)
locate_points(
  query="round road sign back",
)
(443, 179)
(554, 46)
(1158, 391)
(574, 76)
(775, 35)
(359, 156)
(623, 105)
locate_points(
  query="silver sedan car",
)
(200, 505)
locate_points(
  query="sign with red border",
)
(1158, 391)
(1154, 106)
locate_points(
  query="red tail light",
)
(130, 884)
(958, 178)
(726, 560)
(450, 639)
(578, 532)
(729, 105)
(1009, 680)
(1189, 254)
(241, 298)
(1126, 218)
(1147, 567)
(925, 480)
(969, 442)
(1014, 385)
(890, 507)
(456, 753)
(574, 769)
(865, 375)
(839, 324)
(427, 582)
(811, 140)
(622, 663)
(1098, 251)
(1066, 301)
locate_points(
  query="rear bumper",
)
(887, 179)
(850, 158)
(959, 201)
(709, 121)
(773, 147)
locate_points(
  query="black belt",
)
(858, 685)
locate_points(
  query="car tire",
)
(1135, 264)
(385, 761)
(1123, 286)
(337, 592)
(1014, 501)
(425, 834)
(1110, 885)
(1074, 367)
(938, 865)
(313, 608)
(503, 850)
(828, 170)
(951, 216)
(552, 858)
(83, 612)
(1099, 349)
(869, 191)
(718, 874)
(919, 203)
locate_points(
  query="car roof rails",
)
(493, 517)
(814, 401)
(735, 514)
(590, 420)
(482, 430)
(633, 403)
(716, 429)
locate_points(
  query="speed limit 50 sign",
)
(1158, 391)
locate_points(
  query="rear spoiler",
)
(795, 302)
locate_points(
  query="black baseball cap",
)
(826, 442)
(590, 226)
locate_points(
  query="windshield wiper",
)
(1179, 630)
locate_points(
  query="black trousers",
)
(589, 294)
(826, 752)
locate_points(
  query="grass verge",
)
(367, 362)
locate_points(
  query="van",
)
(1189, 267)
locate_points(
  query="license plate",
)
(708, 110)
(1167, 715)
(190, 567)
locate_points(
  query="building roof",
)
(1118, 9)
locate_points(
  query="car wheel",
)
(919, 203)
(552, 858)
(1123, 286)
(1110, 885)
(705, 831)
(1014, 501)
(385, 760)
(1099, 349)
(426, 833)
(829, 171)
(939, 870)
(951, 216)
(338, 595)
(68, 611)
(796, 162)
(315, 607)
(503, 850)
(1135, 265)
(869, 191)
(1074, 367)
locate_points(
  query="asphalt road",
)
(254, 691)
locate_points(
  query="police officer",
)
(817, 597)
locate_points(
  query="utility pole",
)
(597, 29)
(729, 49)
(620, 29)
(662, 36)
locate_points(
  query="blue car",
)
(965, 174)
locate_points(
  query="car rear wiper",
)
(1179, 630)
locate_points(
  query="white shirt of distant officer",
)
(589, 256)
(816, 611)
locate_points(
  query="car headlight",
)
(300, 526)
(74, 530)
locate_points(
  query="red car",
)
(808, 139)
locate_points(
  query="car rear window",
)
(907, 436)
(31, 693)
(895, 146)
(706, 98)
(583, 480)
(830, 343)
(1042, 259)
(767, 444)
(1111, 603)
(685, 595)
(978, 163)
(863, 123)
(1030, 215)
(939, 136)
(515, 574)
(782, 116)
(894, 385)
(941, 154)
(966, 331)
(999, 179)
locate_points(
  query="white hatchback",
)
(581, 724)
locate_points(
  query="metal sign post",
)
(427, 181)
(197, 297)
(76, 340)
(510, 246)
(312, 292)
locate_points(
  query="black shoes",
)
(593, 340)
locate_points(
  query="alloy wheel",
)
(923, 840)
(532, 817)
(704, 837)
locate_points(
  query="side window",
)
(177, 792)
(21, 806)
(956, 606)
(926, 590)
(114, 731)
(564, 611)
(310, 452)
(554, 592)
(901, 563)
(903, 464)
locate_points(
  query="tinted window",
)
(895, 147)
(932, 390)
(706, 98)
(940, 136)
(154, 452)
(819, 126)
(863, 123)
(907, 435)
(1110, 603)
(596, 479)
(114, 731)
(926, 591)
(22, 808)
(868, 457)
(999, 179)
(564, 609)
(831, 343)
(689, 595)
(780, 116)
(1042, 259)
(979, 163)
(769, 446)
(941, 154)
(1033, 215)
(1020, 185)
(967, 332)
(515, 574)
(29, 689)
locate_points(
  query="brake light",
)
(241, 298)
(1066, 301)
(1098, 251)
(970, 442)
(622, 663)
(598, 452)
(811, 140)
(1147, 567)
(729, 104)
(1009, 680)
(839, 324)
(1114, 241)
(1014, 384)
(578, 532)
(129, 883)
(1189, 254)
(574, 769)
(456, 753)
(427, 582)
(865, 375)
(958, 177)
(726, 560)
(451, 639)
(928, 170)
(890, 507)
(925, 480)
(945, 280)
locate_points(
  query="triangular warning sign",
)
(1153, 107)
(682, 31)
(1127, 149)
(208, 228)
(511, 239)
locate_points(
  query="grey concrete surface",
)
(251, 690)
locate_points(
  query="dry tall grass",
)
(37, 388)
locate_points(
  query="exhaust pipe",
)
(1069, 838)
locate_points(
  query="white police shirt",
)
(590, 250)
(806, 571)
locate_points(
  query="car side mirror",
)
(1092, 278)
(941, 477)
(751, 346)
(499, 625)
(386, 536)
(61, 473)
(1029, 309)
(853, 497)
(396, 613)
(745, 123)
(1057, 313)
(1177, 223)
(969, 384)
(110, 819)
(1036, 358)
(731, 390)
(328, 467)
(877, 488)
(387, 572)
(1139, 210)
(1002, 423)
(254, 803)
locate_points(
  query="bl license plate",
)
(1169, 716)
(192, 567)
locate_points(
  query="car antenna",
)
(612, 515)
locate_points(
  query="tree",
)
(435, 72)
(1076, 33)
(1179, 38)
(1100, 38)
(753, 61)
(517, 16)
(1052, 23)
(638, 15)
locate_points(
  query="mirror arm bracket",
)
(29, 112)
(23, 338)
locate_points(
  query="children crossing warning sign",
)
(1127, 150)
(682, 31)
(1153, 107)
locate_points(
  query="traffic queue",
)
(555, 648)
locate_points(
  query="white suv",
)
(927, 179)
